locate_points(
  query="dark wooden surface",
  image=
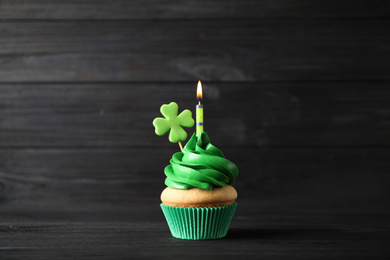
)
(297, 94)
(242, 49)
(269, 237)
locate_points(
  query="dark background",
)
(296, 93)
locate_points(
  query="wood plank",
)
(236, 114)
(209, 49)
(146, 9)
(275, 180)
(271, 236)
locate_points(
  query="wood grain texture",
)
(269, 236)
(189, 9)
(78, 96)
(261, 115)
(296, 94)
(208, 49)
(274, 180)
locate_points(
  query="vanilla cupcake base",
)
(198, 198)
(198, 214)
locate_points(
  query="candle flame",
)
(199, 91)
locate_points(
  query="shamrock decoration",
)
(173, 122)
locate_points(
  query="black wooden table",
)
(139, 231)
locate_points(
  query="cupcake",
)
(199, 200)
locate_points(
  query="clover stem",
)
(181, 146)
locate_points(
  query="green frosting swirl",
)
(200, 165)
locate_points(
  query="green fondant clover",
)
(173, 122)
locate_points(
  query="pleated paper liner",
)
(199, 223)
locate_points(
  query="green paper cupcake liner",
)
(199, 223)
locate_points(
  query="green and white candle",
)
(199, 109)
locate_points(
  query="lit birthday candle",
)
(199, 109)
